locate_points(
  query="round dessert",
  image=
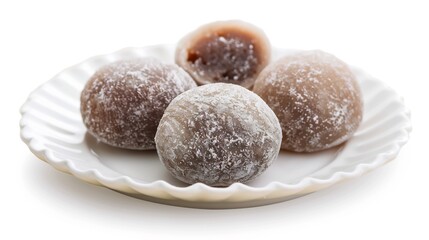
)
(226, 51)
(218, 134)
(316, 98)
(122, 103)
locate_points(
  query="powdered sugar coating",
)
(224, 51)
(122, 103)
(218, 134)
(316, 98)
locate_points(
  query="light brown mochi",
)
(316, 98)
(225, 51)
(122, 103)
(218, 134)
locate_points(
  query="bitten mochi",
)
(224, 51)
(316, 98)
(218, 134)
(123, 102)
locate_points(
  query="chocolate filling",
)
(229, 57)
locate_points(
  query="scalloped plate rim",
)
(44, 153)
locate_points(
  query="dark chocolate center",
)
(225, 57)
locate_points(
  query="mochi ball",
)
(224, 51)
(316, 98)
(218, 134)
(123, 102)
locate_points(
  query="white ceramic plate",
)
(51, 126)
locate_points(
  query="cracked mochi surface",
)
(225, 51)
(123, 102)
(218, 134)
(316, 98)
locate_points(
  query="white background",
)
(40, 38)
